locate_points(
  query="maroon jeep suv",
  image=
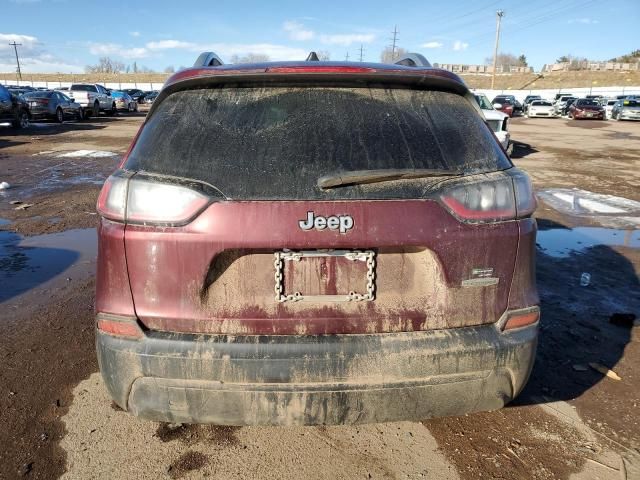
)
(315, 243)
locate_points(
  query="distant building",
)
(592, 66)
(482, 69)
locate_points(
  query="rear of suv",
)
(315, 243)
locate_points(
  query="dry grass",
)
(513, 82)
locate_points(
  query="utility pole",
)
(394, 42)
(499, 15)
(15, 48)
(361, 52)
(346, 58)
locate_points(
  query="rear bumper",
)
(312, 380)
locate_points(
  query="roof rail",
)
(208, 59)
(312, 57)
(413, 60)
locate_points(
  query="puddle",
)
(26, 263)
(4, 221)
(605, 209)
(563, 242)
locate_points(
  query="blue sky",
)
(66, 35)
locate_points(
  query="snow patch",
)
(87, 153)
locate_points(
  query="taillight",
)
(146, 201)
(491, 198)
(119, 326)
(521, 318)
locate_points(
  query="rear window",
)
(84, 88)
(541, 103)
(631, 103)
(275, 142)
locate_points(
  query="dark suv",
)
(13, 108)
(315, 243)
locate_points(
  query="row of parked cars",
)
(597, 107)
(20, 105)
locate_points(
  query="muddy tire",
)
(96, 109)
(59, 115)
(21, 120)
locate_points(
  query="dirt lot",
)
(571, 421)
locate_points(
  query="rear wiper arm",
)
(357, 177)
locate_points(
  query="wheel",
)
(80, 114)
(59, 115)
(614, 117)
(21, 120)
(96, 109)
(135, 106)
(130, 108)
(113, 110)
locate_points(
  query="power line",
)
(361, 52)
(346, 58)
(15, 48)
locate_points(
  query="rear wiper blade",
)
(357, 177)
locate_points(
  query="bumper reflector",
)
(119, 326)
(522, 319)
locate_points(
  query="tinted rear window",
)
(274, 143)
(84, 88)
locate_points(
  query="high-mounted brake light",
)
(491, 198)
(320, 69)
(145, 201)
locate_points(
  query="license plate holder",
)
(282, 257)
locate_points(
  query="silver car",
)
(49, 104)
(626, 109)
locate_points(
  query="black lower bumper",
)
(311, 380)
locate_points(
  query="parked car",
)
(626, 109)
(560, 95)
(150, 97)
(541, 108)
(609, 107)
(124, 102)
(319, 243)
(517, 106)
(14, 109)
(564, 110)
(498, 121)
(527, 101)
(585, 108)
(135, 93)
(93, 98)
(52, 106)
(561, 103)
(504, 105)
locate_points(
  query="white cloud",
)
(169, 44)
(432, 45)
(459, 45)
(297, 31)
(33, 57)
(347, 39)
(134, 34)
(117, 50)
(584, 20)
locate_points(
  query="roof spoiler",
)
(208, 59)
(413, 60)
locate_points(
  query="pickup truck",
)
(93, 98)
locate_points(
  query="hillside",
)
(574, 79)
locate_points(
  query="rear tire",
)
(80, 114)
(113, 110)
(96, 109)
(59, 115)
(21, 120)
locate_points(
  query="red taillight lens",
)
(145, 201)
(491, 198)
(521, 319)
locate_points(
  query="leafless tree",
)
(169, 69)
(105, 65)
(508, 60)
(323, 55)
(388, 57)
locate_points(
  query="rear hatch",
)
(315, 209)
